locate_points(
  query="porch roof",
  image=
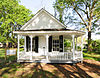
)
(50, 31)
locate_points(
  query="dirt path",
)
(89, 69)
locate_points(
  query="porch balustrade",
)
(25, 55)
(51, 56)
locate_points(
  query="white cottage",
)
(44, 40)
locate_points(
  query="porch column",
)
(47, 36)
(31, 47)
(18, 48)
(25, 43)
(81, 49)
(73, 39)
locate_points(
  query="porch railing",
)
(24, 55)
(64, 56)
(60, 56)
(78, 55)
(52, 55)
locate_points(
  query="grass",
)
(2, 52)
(92, 56)
(8, 58)
(2, 55)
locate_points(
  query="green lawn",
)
(2, 53)
(8, 59)
(92, 56)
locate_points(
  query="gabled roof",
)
(43, 20)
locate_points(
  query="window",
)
(55, 45)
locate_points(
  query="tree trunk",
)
(89, 33)
(89, 41)
(60, 18)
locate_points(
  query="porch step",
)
(38, 57)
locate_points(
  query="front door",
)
(42, 45)
(35, 43)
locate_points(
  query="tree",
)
(60, 7)
(61, 12)
(12, 17)
(89, 13)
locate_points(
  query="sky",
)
(35, 5)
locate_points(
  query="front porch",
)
(55, 55)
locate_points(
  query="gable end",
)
(43, 20)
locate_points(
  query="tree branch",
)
(81, 17)
(87, 11)
(93, 4)
(91, 9)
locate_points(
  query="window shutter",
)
(36, 44)
(27, 43)
(50, 44)
(61, 43)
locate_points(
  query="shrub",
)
(95, 46)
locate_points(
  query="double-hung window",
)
(55, 44)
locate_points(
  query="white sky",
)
(35, 5)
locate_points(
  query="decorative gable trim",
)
(39, 12)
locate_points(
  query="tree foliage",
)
(88, 12)
(63, 13)
(60, 7)
(12, 17)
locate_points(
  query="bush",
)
(67, 43)
(79, 48)
(95, 46)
